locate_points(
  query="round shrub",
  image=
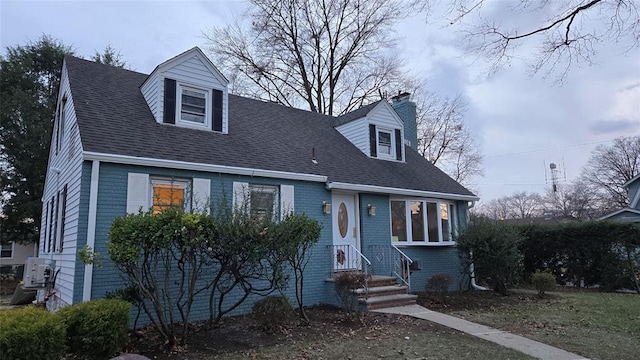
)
(272, 312)
(543, 281)
(31, 333)
(96, 329)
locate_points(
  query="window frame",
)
(181, 87)
(12, 250)
(186, 183)
(392, 149)
(427, 240)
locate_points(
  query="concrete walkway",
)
(519, 343)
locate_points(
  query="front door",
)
(345, 233)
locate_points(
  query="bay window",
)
(422, 222)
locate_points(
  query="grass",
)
(592, 324)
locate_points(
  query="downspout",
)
(473, 274)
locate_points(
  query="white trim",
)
(183, 165)
(619, 212)
(392, 143)
(398, 191)
(391, 110)
(201, 194)
(178, 58)
(91, 227)
(636, 199)
(425, 222)
(208, 106)
(632, 180)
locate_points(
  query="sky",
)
(522, 123)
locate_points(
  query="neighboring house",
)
(124, 140)
(631, 213)
(12, 254)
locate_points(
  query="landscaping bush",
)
(272, 312)
(543, 281)
(438, 285)
(31, 333)
(345, 284)
(96, 329)
(493, 249)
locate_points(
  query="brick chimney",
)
(406, 109)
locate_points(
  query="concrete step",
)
(377, 281)
(387, 301)
(381, 291)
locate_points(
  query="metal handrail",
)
(404, 263)
(361, 255)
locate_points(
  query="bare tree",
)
(523, 205)
(570, 32)
(577, 200)
(443, 138)
(328, 56)
(610, 167)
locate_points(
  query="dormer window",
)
(193, 106)
(385, 143)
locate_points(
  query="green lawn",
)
(594, 325)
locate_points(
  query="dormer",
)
(188, 91)
(376, 129)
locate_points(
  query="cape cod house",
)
(122, 138)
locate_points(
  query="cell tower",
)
(555, 176)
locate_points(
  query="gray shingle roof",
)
(113, 118)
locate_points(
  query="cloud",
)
(615, 126)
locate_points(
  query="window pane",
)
(417, 221)
(444, 218)
(166, 195)
(263, 200)
(432, 222)
(384, 142)
(453, 220)
(193, 106)
(6, 250)
(399, 220)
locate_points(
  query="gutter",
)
(398, 191)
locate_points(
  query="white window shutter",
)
(240, 192)
(201, 194)
(137, 192)
(286, 200)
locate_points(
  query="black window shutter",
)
(398, 145)
(169, 101)
(216, 116)
(63, 216)
(373, 143)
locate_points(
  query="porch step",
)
(386, 301)
(377, 281)
(381, 291)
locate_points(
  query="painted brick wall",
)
(112, 203)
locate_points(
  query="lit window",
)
(169, 193)
(6, 250)
(263, 200)
(422, 222)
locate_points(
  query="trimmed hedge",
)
(600, 253)
(96, 329)
(31, 333)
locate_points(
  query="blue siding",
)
(112, 197)
(83, 221)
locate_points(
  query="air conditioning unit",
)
(37, 272)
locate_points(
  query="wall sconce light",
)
(326, 207)
(371, 209)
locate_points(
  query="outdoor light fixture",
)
(371, 209)
(326, 208)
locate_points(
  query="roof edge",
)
(198, 52)
(399, 191)
(183, 165)
(620, 211)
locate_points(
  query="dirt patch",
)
(480, 300)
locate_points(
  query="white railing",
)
(345, 258)
(388, 260)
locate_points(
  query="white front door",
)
(345, 232)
